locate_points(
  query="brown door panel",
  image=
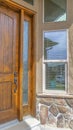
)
(8, 63)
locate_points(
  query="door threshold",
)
(31, 121)
(9, 124)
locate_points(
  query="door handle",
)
(15, 74)
(15, 82)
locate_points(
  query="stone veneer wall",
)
(57, 112)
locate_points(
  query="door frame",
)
(33, 106)
(21, 10)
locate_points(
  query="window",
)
(54, 10)
(25, 63)
(55, 60)
(29, 1)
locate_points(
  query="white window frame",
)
(66, 67)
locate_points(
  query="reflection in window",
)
(54, 10)
(55, 76)
(55, 60)
(29, 1)
(55, 45)
(25, 63)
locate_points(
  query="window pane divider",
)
(46, 61)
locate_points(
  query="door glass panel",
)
(25, 62)
(29, 1)
(55, 10)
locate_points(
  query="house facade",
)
(36, 61)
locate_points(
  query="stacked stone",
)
(56, 112)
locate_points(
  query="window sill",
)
(46, 95)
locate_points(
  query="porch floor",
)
(28, 123)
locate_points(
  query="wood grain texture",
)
(20, 77)
(11, 44)
(8, 63)
(6, 24)
(20, 5)
(5, 96)
(30, 107)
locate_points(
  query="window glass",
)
(55, 59)
(55, 10)
(55, 45)
(55, 76)
(29, 1)
(25, 63)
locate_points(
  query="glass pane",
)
(55, 76)
(54, 10)
(55, 45)
(29, 1)
(25, 63)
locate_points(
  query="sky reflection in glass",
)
(55, 45)
(25, 63)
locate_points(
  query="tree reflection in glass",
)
(55, 76)
(55, 45)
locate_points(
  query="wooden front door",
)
(8, 64)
